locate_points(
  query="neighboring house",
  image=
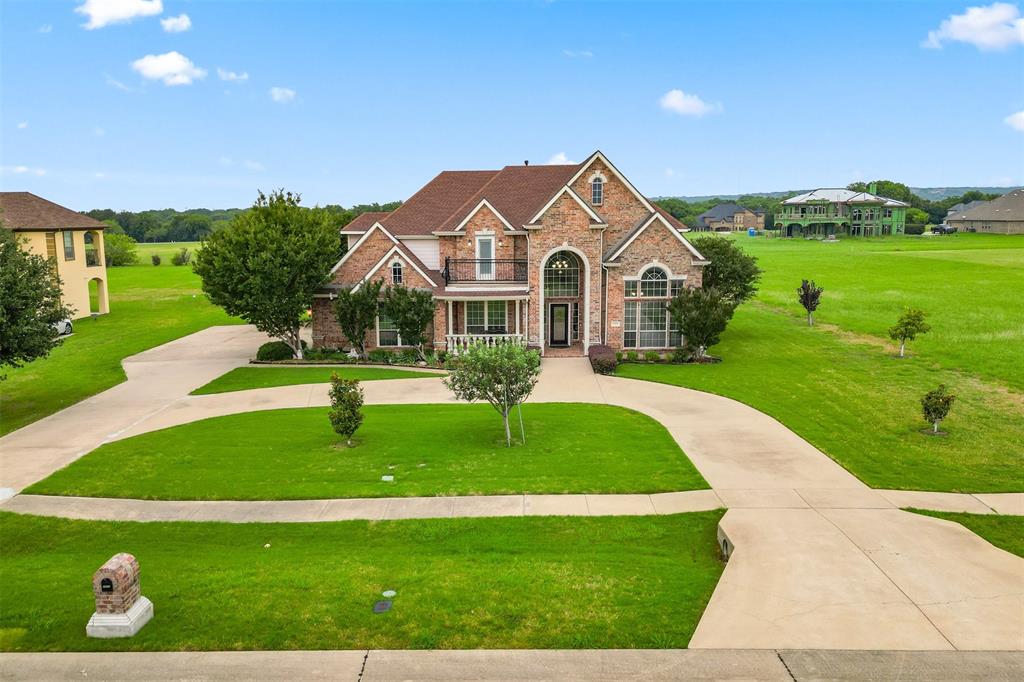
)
(72, 241)
(961, 207)
(729, 217)
(841, 211)
(1004, 215)
(559, 257)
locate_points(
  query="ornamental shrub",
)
(155, 258)
(346, 402)
(273, 351)
(652, 356)
(602, 359)
(632, 356)
(381, 356)
(183, 257)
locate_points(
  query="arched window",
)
(92, 256)
(396, 273)
(562, 275)
(654, 283)
(597, 191)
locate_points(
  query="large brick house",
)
(557, 257)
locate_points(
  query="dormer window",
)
(597, 191)
(396, 273)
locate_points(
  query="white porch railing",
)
(460, 342)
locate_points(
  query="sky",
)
(144, 104)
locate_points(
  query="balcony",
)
(501, 270)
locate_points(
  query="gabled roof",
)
(660, 215)
(433, 276)
(26, 211)
(724, 211)
(961, 207)
(364, 221)
(1007, 207)
(842, 196)
(436, 201)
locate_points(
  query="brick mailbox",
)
(121, 610)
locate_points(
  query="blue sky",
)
(113, 104)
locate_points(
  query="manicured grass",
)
(860, 405)
(534, 582)
(1005, 532)
(244, 378)
(149, 306)
(429, 449)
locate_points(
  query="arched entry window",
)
(92, 253)
(654, 283)
(562, 275)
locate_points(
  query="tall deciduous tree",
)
(265, 266)
(907, 328)
(702, 315)
(356, 313)
(30, 304)
(504, 375)
(412, 310)
(732, 271)
(809, 296)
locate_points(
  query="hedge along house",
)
(557, 257)
(826, 212)
(73, 242)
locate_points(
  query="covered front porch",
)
(490, 319)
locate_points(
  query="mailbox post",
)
(121, 610)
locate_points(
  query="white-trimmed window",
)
(597, 191)
(485, 257)
(396, 273)
(647, 322)
(387, 332)
(486, 317)
(69, 245)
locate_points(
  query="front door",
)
(558, 326)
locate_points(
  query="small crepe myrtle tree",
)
(346, 402)
(356, 313)
(809, 296)
(412, 311)
(504, 375)
(702, 316)
(935, 405)
(908, 327)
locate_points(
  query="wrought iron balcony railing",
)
(484, 270)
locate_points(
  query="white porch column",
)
(450, 328)
(517, 315)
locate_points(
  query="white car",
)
(63, 327)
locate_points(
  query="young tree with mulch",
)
(908, 327)
(935, 405)
(356, 313)
(346, 406)
(412, 311)
(809, 296)
(504, 375)
(268, 262)
(702, 316)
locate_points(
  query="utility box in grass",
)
(121, 610)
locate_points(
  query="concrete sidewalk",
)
(501, 665)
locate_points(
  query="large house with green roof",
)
(826, 212)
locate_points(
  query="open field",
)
(149, 306)
(243, 378)
(429, 449)
(1005, 532)
(539, 582)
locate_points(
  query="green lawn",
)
(860, 405)
(429, 449)
(533, 582)
(149, 306)
(243, 378)
(1005, 532)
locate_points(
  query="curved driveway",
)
(820, 559)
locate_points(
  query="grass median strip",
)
(428, 449)
(1005, 532)
(600, 582)
(244, 378)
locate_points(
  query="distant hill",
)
(930, 193)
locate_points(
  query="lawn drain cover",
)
(387, 478)
(382, 606)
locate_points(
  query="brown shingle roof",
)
(364, 221)
(26, 211)
(428, 208)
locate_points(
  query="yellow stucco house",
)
(72, 241)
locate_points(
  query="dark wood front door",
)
(558, 324)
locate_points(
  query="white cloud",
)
(46, 28)
(559, 159)
(994, 27)
(572, 54)
(178, 24)
(253, 165)
(684, 104)
(105, 12)
(1015, 121)
(173, 68)
(23, 170)
(226, 75)
(23, 125)
(114, 83)
(282, 95)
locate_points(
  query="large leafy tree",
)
(266, 264)
(356, 312)
(503, 375)
(30, 304)
(412, 310)
(702, 315)
(732, 271)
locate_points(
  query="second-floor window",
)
(69, 245)
(597, 191)
(485, 257)
(396, 273)
(92, 255)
